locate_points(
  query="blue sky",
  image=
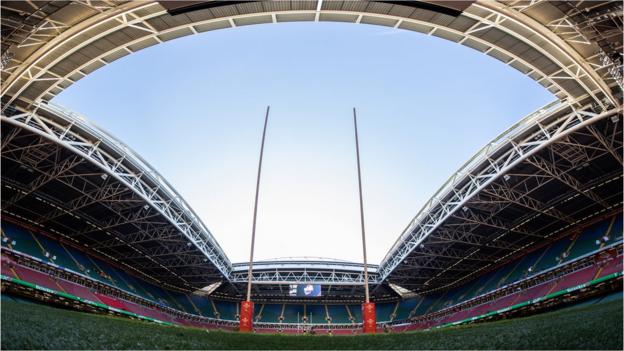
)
(194, 107)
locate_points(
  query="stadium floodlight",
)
(104, 176)
(146, 207)
(615, 118)
(506, 177)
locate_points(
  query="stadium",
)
(526, 235)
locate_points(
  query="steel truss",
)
(478, 194)
(469, 200)
(453, 231)
(138, 195)
(573, 72)
(155, 245)
(311, 274)
(598, 24)
(143, 255)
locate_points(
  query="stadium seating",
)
(8, 267)
(72, 258)
(563, 250)
(35, 277)
(565, 282)
(86, 265)
(423, 305)
(56, 253)
(355, 312)
(203, 304)
(112, 302)
(23, 241)
(78, 290)
(383, 311)
(589, 240)
(271, 313)
(405, 307)
(315, 313)
(227, 309)
(338, 314)
(293, 313)
(113, 275)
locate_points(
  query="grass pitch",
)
(30, 326)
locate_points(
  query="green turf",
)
(29, 326)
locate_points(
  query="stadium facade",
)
(532, 220)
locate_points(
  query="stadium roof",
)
(552, 171)
(62, 173)
(566, 46)
(556, 168)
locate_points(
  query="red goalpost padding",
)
(368, 317)
(246, 316)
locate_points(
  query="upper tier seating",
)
(20, 240)
(587, 242)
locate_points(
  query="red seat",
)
(78, 290)
(35, 277)
(112, 302)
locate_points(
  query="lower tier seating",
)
(581, 276)
(563, 251)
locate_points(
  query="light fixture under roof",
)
(209, 289)
(403, 292)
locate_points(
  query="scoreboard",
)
(305, 290)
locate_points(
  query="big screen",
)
(305, 290)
